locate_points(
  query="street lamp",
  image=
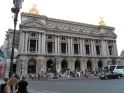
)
(17, 6)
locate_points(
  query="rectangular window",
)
(32, 45)
(49, 47)
(98, 50)
(87, 47)
(63, 47)
(110, 50)
(76, 49)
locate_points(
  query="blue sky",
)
(85, 11)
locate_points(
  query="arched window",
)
(63, 38)
(33, 35)
(64, 65)
(50, 66)
(89, 65)
(32, 65)
(77, 65)
(49, 37)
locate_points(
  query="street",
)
(77, 86)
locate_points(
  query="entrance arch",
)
(32, 65)
(64, 65)
(77, 65)
(100, 65)
(89, 65)
(50, 66)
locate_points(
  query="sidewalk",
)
(65, 78)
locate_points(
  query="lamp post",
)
(17, 6)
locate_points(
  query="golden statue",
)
(34, 10)
(101, 22)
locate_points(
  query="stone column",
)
(115, 49)
(43, 43)
(26, 41)
(28, 45)
(22, 40)
(83, 64)
(38, 66)
(44, 65)
(72, 64)
(36, 46)
(107, 50)
(58, 66)
(104, 62)
(66, 48)
(81, 48)
(92, 48)
(69, 45)
(103, 48)
(69, 63)
(39, 43)
(56, 45)
(41, 65)
(94, 64)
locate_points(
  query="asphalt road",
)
(77, 86)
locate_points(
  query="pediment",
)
(33, 24)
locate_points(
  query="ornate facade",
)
(48, 44)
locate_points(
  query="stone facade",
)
(48, 44)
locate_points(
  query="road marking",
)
(44, 91)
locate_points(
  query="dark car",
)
(111, 76)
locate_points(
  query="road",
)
(77, 86)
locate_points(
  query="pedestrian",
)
(9, 88)
(22, 86)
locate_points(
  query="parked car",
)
(111, 76)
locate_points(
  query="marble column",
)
(83, 64)
(103, 48)
(72, 65)
(107, 50)
(22, 40)
(66, 48)
(43, 43)
(39, 43)
(115, 51)
(92, 48)
(81, 48)
(94, 64)
(26, 41)
(59, 47)
(44, 65)
(69, 63)
(58, 68)
(56, 45)
(36, 46)
(69, 45)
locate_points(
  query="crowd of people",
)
(88, 73)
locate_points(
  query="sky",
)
(84, 11)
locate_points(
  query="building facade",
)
(48, 44)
